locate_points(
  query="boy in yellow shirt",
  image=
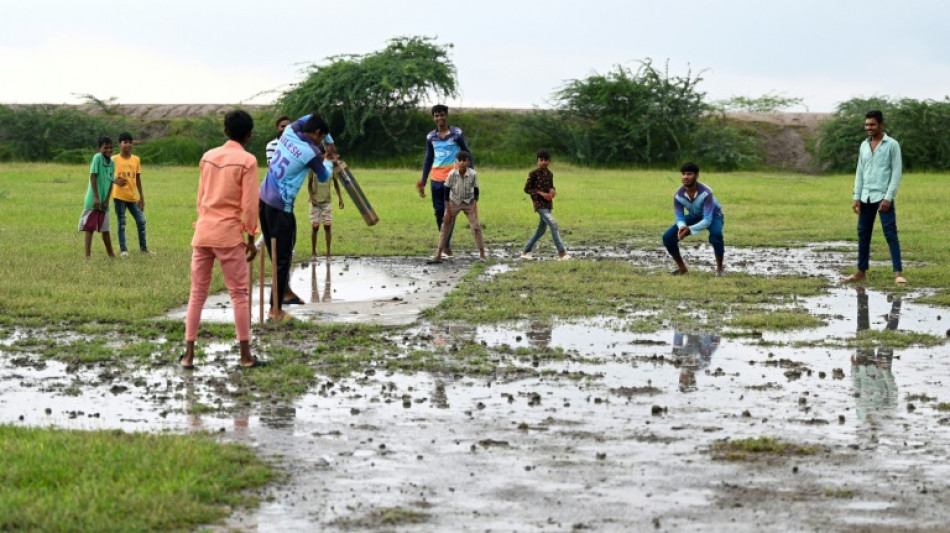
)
(129, 196)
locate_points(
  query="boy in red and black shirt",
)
(540, 186)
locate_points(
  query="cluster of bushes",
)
(67, 134)
(917, 124)
(641, 117)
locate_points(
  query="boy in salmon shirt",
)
(227, 217)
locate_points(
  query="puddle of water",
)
(553, 452)
(389, 291)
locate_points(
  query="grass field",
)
(47, 283)
(46, 275)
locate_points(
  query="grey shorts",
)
(321, 214)
(91, 220)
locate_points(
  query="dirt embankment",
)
(788, 137)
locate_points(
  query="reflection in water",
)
(539, 334)
(874, 385)
(279, 416)
(315, 287)
(692, 351)
(439, 398)
(453, 334)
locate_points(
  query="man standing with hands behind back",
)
(875, 186)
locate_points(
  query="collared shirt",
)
(441, 152)
(540, 180)
(879, 172)
(295, 155)
(462, 188)
(227, 197)
(704, 204)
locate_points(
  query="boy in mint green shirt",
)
(95, 214)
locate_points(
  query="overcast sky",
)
(508, 53)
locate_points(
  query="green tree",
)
(917, 124)
(371, 101)
(644, 116)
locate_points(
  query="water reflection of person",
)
(539, 334)
(452, 334)
(315, 287)
(874, 385)
(692, 351)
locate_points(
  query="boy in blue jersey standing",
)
(299, 151)
(696, 209)
(442, 146)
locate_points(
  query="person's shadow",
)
(692, 352)
(875, 389)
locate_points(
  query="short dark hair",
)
(543, 154)
(689, 166)
(104, 140)
(440, 108)
(876, 115)
(315, 123)
(463, 156)
(238, 124)
(125, 136)
(281, 119)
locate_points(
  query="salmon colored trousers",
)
(234, 268)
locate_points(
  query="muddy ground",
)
(620, 435)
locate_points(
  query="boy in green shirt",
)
(95, 214)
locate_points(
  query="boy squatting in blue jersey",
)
(298, 152)
(696, 209)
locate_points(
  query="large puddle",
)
(381, 290)
(612, 435)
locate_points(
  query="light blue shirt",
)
(879, 172)
(296, 154)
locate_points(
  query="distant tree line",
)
(642, 117)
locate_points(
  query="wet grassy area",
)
(597, 394)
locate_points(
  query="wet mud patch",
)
(597, 424)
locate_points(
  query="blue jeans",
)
(715, 236)
(546, 221)
(866, 226)
(138, 215)
(437, 189)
